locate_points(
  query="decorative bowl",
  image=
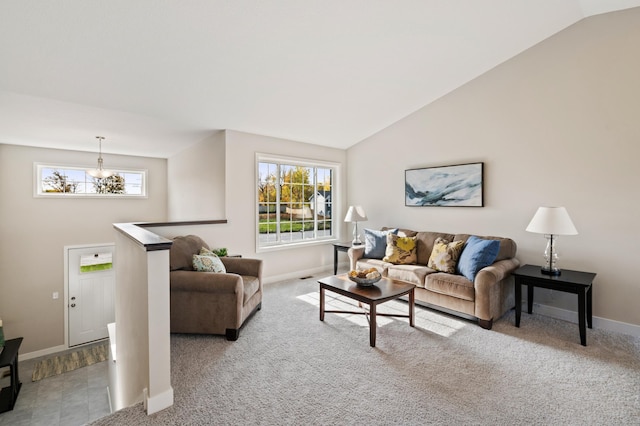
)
(365, 282)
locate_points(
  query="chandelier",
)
(100, 172)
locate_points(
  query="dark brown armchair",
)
(209, 302)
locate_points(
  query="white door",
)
(91, 293)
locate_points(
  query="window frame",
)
(301, 162)
(38, 182)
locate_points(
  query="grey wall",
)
(34, 232)
(556, 125)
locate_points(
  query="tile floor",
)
(73, 398)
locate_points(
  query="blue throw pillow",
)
(477, 254)
(375, 242)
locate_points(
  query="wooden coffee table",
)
(384, 290)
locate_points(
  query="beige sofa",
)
(485, 299)
(210, 302)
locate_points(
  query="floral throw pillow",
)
(400, 250)
(444, 255)
(208, 264)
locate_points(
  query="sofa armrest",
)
(488, 292)
(355, 253)
(205, 282)
(497, 271)
(243, 266)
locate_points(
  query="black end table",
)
(9, 358)
(576, 282)
(340, 247)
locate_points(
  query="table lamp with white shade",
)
(551, 221)
(355, 214)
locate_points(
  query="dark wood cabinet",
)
(9, 358)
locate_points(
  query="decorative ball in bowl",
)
(365, 278)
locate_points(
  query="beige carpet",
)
(288, 368)
(60, 364)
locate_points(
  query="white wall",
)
(556, 125)
(132, 328)
(196, 185)
(143, 352)
(239, 234)
(34, 232)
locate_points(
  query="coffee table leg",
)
(372, 325)
(412, 310)
(321, 303)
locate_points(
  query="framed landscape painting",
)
(455, 186)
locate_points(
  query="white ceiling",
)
(155, 76)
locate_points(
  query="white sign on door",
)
(91, 293)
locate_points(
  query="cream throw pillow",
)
(444, 255)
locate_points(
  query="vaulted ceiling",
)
(154, 77)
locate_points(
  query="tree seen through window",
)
(294, 203)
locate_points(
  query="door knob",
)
(73, 305)
(73, 298)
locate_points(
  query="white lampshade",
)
(553, 221)
(355, 214)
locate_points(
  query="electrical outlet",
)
(55, 295)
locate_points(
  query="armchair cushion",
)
(182, 251)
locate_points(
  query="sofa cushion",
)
(445, 254)
(375, 242)
(403, 232)
(425, 242)
(380, 265)
(400, 250)
(508, 248)
(476, 254)
(414, 274)
(208, 264)
(450, 285)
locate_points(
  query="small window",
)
(67, 181)
(295, 200)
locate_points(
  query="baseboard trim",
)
(572, 316)
(297, 274)
(159, 402)
(110, 400)
(43, 352)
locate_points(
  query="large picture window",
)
(67, 181)
(295, 201)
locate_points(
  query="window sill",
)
(295, 245)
